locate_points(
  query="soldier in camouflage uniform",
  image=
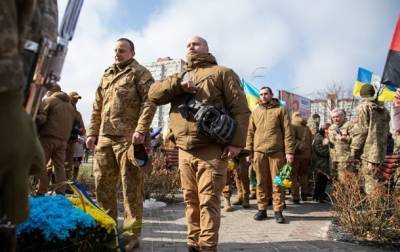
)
(339, 135)
(313, 124)
(121, 116)
(370, 138)
(20, 151)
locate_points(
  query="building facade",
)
(161, 69)
(323, 107)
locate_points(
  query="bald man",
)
(202, 160)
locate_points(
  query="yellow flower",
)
(287, 183)
(231, 165)
(103, 219)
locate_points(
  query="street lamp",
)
(254, 72)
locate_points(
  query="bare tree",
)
(334, 88)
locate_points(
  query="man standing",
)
(269, 138)
(242, 183)
(121, 116)
(77, 130)
(370, 137)
(55, 120)
(313, 124)
(301, 165)
(339, 135)
(202, 161)
(20, 152)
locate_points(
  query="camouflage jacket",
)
(15, 17)
(340, 149)
(370, 132)
(121, 105)
(217, 86)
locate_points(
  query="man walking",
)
(202, 159)
(121, 116)
(269, 138)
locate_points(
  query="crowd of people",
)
(210, 123)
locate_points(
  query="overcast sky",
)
(295, 45)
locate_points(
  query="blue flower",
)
(54, 217)
(277, 180)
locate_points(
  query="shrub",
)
(374, 217)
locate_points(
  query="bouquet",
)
(283, 177)
(74, 223)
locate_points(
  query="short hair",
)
(130, 43)
(267, 88)
(338, 110)
(315, 116)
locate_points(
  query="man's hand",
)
(91, 142)
(289, 158)
(325, 141)
(189, 87)
(137, 138)
(249, 159)
(230, 151)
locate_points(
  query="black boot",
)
(191, 248)
(260, 215)
(279, 217)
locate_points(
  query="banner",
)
(295, 103)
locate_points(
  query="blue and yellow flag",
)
(252, 94)
(366, 77)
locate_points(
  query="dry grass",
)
(162, 182)
(374, 218)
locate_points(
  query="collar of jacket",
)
(199, 60)
(373, 102)
(62, 96)
(273, 103)
(114, 69)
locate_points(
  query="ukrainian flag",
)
(366, 77)
(252, 94)
(387, 93)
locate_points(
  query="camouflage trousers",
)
(372, 176)
(267, 167)
(203, 176)
(111, 168)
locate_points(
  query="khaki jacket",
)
(269, 130)
(56, 117)
(339, 150)
(302, 136)
(121, 106)
(370, 132)
(218, 86)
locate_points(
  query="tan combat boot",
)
(239, 201)
(227, 205)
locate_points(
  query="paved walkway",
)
(306, 230)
